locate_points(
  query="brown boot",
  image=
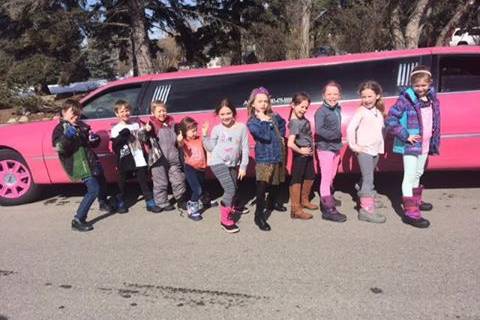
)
(297, 211)
(306, 188)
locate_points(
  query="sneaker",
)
(120, 205)
(194, 210)
(78, 225)
(230, 229)
(105, 207)
(152, 206)
(182, 205)
(169, 207)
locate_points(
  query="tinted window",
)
(102, 106)
(459, 73)
(474, 32)
(204, 93)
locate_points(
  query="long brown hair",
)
(377, 88)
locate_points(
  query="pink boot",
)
(412, 214)
(225, 220)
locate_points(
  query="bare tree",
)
(462, 10)
(142, 61)
(306, 10)
(409, 38)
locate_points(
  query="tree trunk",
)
(415, 24)
(305, 29)
(140, 46)
(398, 37)
(461, 11)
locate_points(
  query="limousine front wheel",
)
(16, 183)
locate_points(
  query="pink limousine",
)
(28, 161)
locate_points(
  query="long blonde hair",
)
(253, 94)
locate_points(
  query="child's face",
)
(260, 103)
(368, 98)
(331, 95)
(226, 116)
(192, 133)
(421, 86)
(123, 113)
(300, 109)
(160, 113)
(70, 116)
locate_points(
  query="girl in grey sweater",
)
(228, 144)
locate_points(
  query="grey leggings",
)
(228, 179)
(367, 163)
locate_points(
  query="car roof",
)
(289, 64)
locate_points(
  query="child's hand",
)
(125, 133)
(148, 127)
(93, 137)
(262, 116)
(241, 174)
(70, 132)
(306, 151)
(205, 128)
(413, 139)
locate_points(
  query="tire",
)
(16, 181)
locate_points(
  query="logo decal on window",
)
(161, 93)
(404, 70)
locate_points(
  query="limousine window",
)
(204, 93)
(102, 106)
(459, 73)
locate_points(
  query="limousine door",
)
(458, 78)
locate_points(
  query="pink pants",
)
(328, 161)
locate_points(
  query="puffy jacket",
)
(328, 128)
(166, 135)
(76, 155)
(405, 119)
(268, 143)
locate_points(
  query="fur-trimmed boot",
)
(296, 209)
(412, 214)
(329, 211)
(306, 188)
(423, 206)
(367, 211)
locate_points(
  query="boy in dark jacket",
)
(74, 141)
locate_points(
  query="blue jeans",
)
(93, 190)
(195, 179)
(96, 186)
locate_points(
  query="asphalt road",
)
(146, 266)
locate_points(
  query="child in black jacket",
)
(74, 141)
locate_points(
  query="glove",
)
(93, 137)
(124, 133)
(71, 132)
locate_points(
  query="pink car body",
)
(27, 158)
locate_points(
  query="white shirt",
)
(135, 146)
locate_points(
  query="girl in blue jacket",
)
(268, 131)
(414, 121)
